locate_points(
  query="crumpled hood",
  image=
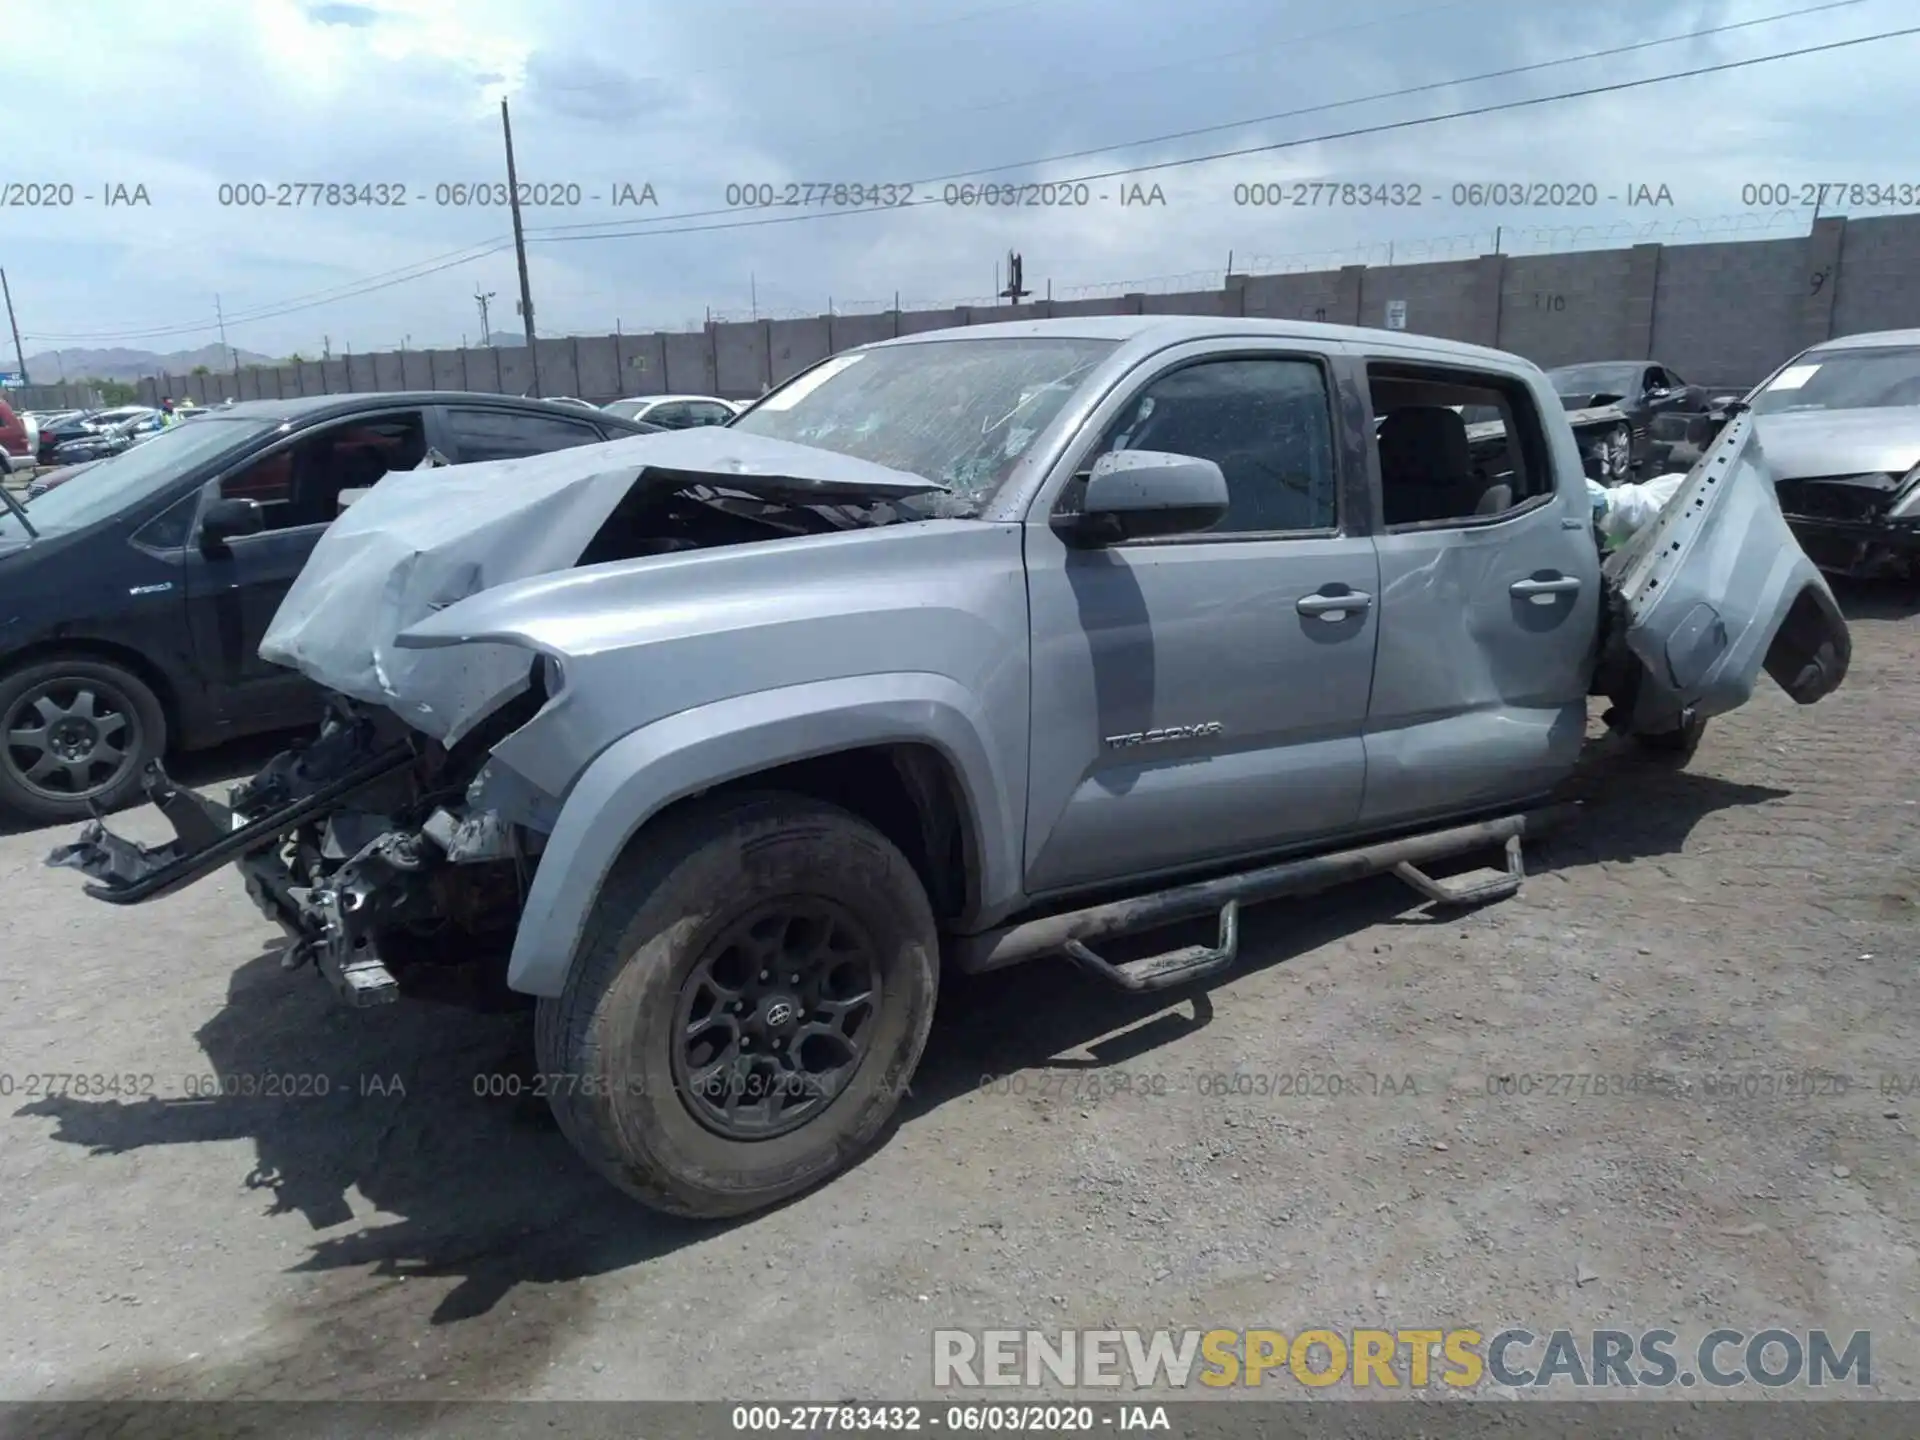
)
(422, 540)
(1808, 444)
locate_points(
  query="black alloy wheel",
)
(775, 1018)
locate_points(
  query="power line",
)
(1271, 146)
(432, 265)
(352, 290)
(555, 231)
(453, 258)
(1104, 78)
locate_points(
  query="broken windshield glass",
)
(958, 412)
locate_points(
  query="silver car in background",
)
(1839, 427)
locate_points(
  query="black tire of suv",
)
(148, 742)
(1672, 747)
(605, 1045)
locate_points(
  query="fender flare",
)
(694, 750)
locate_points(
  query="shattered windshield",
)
(957, 412)
(111, 486)
(1844, 380)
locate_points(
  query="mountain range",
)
(123, 364)
(49, 366)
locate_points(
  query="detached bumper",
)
(206, 835)
(1861, 548)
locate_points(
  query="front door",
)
(1202, 697)
(1489, 595)
(234, 590)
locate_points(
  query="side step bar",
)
(1070, 933)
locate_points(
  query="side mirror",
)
(227, 519)
(1139, 494)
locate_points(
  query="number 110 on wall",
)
(1543, 300)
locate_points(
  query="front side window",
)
(1266, 423)
(300, 484)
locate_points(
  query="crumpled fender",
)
(697, 749)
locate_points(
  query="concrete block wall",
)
(1722, 314)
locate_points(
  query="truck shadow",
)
(999, 1024)
(412, 1144)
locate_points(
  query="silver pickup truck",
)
(960, 649)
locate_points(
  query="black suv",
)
(133, 600)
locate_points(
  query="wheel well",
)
(908, 792)
(131, 661)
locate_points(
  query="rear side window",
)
(507, 434)
(1455, 446)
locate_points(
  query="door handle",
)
(1542, 591)
(1333, 608)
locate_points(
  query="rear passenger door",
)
(1489, 593)
(479, 433)
(1201, 697)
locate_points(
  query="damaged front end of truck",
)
(395, 847)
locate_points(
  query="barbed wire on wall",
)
(1506, 239)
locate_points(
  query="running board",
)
(1173, 967)
(1475, 888)
(1073, 932)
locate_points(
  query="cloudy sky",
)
(610, 97)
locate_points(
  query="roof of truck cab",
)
(1156, 330)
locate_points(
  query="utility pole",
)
(19, 358)
(232, 353)
(520, 249)
(486, 330)
(326, 347)
(1015, 291)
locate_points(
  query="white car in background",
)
(675, 412)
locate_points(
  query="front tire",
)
(753, 992)
(1673, 747)
(75, 733)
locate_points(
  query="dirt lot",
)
(403, 1236)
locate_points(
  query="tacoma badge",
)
(1205, 730)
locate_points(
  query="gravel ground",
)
(402, 1236)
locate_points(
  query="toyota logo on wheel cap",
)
(780, 1012)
